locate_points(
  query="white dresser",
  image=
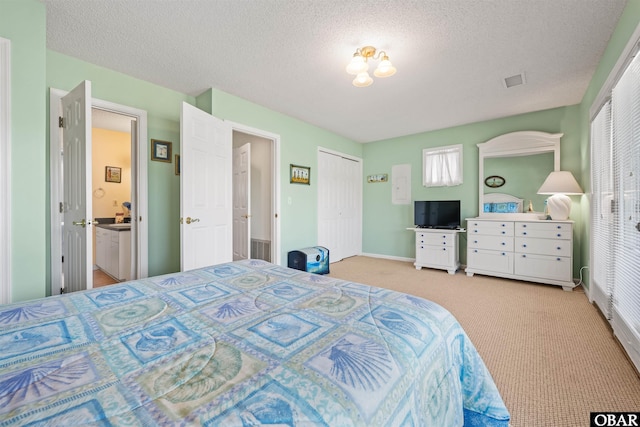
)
(535, 251)
(437, 248)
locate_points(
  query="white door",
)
(242, 202)
(205, 190)
(76, 229)
(339, 205)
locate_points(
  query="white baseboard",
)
(391, 257)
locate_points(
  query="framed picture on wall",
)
(161, 150)
(112, 174)
(177, 164)
(300, 174)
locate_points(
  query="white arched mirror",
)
(511, 168)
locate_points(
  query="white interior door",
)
(339, 205)
(76, 228)
(242, 202)
(205, 190)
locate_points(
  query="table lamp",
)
(560, 184)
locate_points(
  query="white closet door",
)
(339, 205)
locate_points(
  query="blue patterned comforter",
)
(240, 344)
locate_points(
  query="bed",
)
(240, 344)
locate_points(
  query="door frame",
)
(5, 171)
(275, 184)
(139, 159)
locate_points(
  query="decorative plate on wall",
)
(494, 181)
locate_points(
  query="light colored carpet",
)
(550, 352)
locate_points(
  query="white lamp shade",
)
(362, 80)
(357, 65)
(385, 69)
(559, 184)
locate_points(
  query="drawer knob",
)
(503, 225)
(557, 259)
(444, 249)
(559, 227)
(558, 248)
(524, 246)
(503, 254)
(503, 243)
(524, 225)
(475, 251)
(524, 256)
(504, 232)
(559, 235)
(525, 233)
(475, 241)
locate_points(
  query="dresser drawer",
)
(436, 255)
(495, 228)
(435, 239)
(485, 241)
(543, 246)
(544, 230)
(543, 267)
(493, 261)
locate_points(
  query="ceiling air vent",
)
(516, 80)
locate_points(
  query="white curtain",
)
(442, 166)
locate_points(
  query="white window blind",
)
(626, 217)
(615, 209)
(601, 215)
(442, 166)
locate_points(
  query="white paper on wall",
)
(401, 184)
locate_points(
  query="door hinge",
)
(60, 121)
(61, 290)
(61, 207)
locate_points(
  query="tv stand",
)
(437, 248)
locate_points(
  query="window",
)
(442, 166)
(615, 203)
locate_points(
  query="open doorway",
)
(111, 185)
(263, 190)
(138, 188)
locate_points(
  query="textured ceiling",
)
(290, 55)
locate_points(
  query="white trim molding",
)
(275, 191)
(5, 171)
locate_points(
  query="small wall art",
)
(300, 175)
(380, 177)
(112, 174)
(177, 164)
(161, 150)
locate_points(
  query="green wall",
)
(34, 70)
(163, 122)
(299, 142)
(385, 224)
(23, 23)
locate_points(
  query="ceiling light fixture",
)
(359, 66)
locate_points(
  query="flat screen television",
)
(437, 214)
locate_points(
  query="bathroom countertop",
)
(115, 227)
